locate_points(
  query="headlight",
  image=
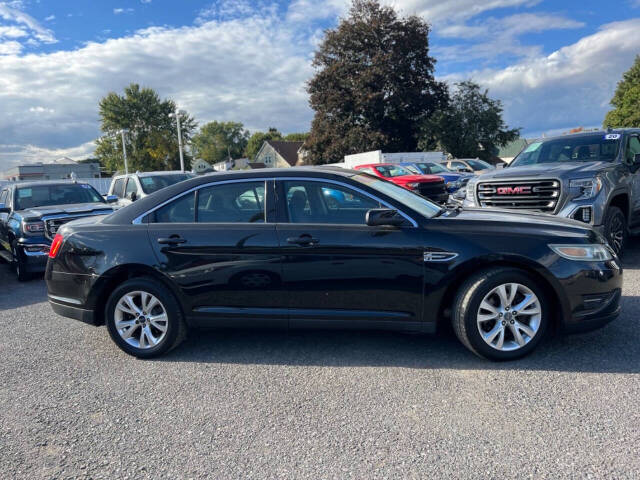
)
(412, 185)
(587, 252)
(587, 187)
(470, 193)
(33, 227)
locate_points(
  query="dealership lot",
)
(313, 404)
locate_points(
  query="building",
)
(279, 154)
(377, 156)
(199, 166)
(60, 169)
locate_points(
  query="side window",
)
(131, 187)
(118, 187)
(368, 170)
(318, 202)
(456, 165)
(633, 147)
(181, 210)
(3, 196)
(232, 203)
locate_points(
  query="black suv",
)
(274, 248)
(590, 177)
(31, 213)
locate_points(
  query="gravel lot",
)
(313, 405)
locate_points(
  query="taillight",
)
(55, 245)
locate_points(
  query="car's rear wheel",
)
(19, 264)
(615, 229)
(501, 314)
(144, 319)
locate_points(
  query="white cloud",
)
(40, 109)
(118, 11)
(50, 18)
(569, 88)
(448, 11)
(251, 70)
(12, 155)
(10, 13)
(10, 48)
(12, 32)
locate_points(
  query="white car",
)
(130, 187)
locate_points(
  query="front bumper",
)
(34, 254)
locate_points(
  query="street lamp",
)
(124, 150)
(177, 115)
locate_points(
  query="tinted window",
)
(45, 195)
(180, 210)
(153, 183)
(318, 202)
(392, 171)
(3, 196)
(131, 187)
(581, 148)
(458, 165)
(632, 149)
(118, 187)
(232, 203)
(480, 165)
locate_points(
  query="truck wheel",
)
(19, 264)
(144, 318)
(501, 314)
(615, 229)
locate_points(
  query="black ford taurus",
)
(328, 248)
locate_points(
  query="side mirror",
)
(383, 216)
(4, 208)
(133, 196)
(111, 198)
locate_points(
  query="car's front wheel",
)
(144, 319)
(19, 264)
(501, 314)
(615, 229)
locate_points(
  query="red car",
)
(430, 186)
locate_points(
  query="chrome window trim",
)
(138, 219)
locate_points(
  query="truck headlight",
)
(33, 227)
(586, 187)
(586, 252)
(470, 193)
(412, 185)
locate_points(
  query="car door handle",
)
(172, 240)
(303, 240)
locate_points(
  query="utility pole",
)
(124, 152)
(177, 114)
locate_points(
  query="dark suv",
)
(590, 177)
(31, 213)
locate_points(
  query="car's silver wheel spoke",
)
(509, 316)
(140, 319)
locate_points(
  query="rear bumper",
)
(76, 313)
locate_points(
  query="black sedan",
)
(269, 249)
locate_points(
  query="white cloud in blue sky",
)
(554, 65)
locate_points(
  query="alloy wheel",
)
(616, 233)
(509, 317)
(141, 319)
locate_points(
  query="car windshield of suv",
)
(392, 171)
(583, 148)
(402, 195)
(480, 165)
(47, 195)
(433, 168)
(153, 183)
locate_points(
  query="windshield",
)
(46, 195)
(153, 183)
(431, 168)
(480, 165)
(583, 148)
(392, 171)
(402, 195)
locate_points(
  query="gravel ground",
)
(313, 405)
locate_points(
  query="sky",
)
(553, 64)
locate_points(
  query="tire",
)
(119, 315)
(19, 265)
(484, 288)
(615, 229)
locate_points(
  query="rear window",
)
(153, 183)
(47, 195)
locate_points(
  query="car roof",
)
(383, 164)
(46, 183)
(590, 133)
(151, 174)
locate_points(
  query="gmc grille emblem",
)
(523, 190)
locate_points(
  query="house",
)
(235, 164)
(279, 154)
(199, 166)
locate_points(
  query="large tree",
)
(626, 100)
(151, 138)
(217, 141)
(471, 126)
(374, 84)
(258, 138)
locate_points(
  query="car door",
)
(632, 148)
(218, 247)
(338, 271)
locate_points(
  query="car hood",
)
(415, 178)
(72, 209)
(498, 220)
(558, 170)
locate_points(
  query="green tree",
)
(217, 141)
(374, 84)
(151, 138)
(258, 138)
(626, 100)
(471, 126)
(296, 137)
